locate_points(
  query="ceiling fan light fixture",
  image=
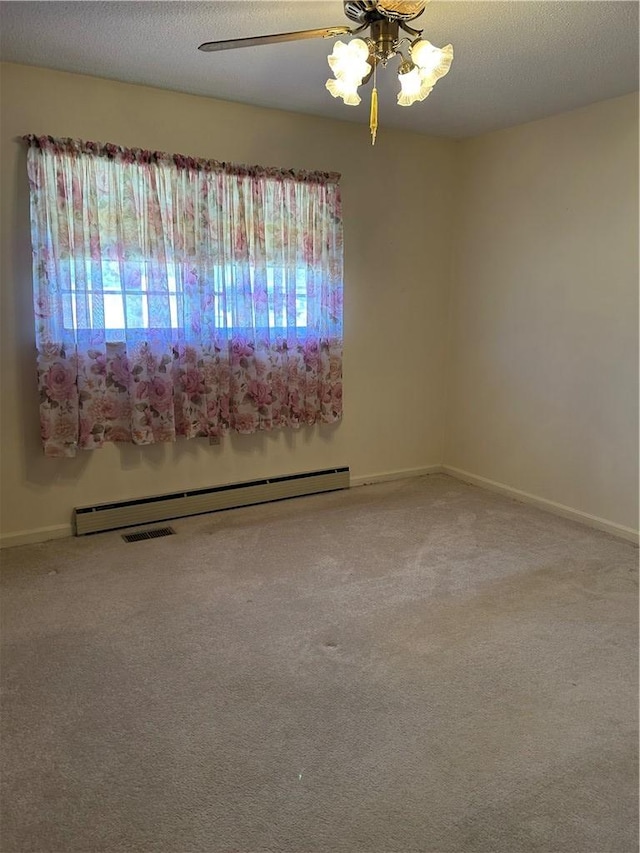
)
(349, 64)
(413, 86)
(433, 62)
(345, 89)
(349, 61)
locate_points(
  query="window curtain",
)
(176, 296)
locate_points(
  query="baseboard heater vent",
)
(95, 519)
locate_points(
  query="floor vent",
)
(148, 534)
(158, 508)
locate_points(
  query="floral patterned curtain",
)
(177, 296)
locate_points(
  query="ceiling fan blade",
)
(276, 38)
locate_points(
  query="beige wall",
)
(396, 273)
(540, 383)
(543, 352)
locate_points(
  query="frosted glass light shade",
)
(350, 60)
(345, 89)
(349, 64)
(433, 62)
(413, 87)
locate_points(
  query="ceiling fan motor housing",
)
(401, 10)
(364, 12)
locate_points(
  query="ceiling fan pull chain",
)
(373, 119)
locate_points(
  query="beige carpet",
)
(413, 666)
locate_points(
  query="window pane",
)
(113, 312)
(301, 299)
(111, 276)
(136, 311)
(68, 312)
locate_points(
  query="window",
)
(181, 297)
(103, 302)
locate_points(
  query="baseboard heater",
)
(101, 517)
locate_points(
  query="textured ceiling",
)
(514, 61)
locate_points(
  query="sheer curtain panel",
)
(179, 296)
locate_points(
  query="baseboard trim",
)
(33, 537)
(399, 474)
(60, 531)
(595, 521)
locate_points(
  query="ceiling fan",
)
(355, 62)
